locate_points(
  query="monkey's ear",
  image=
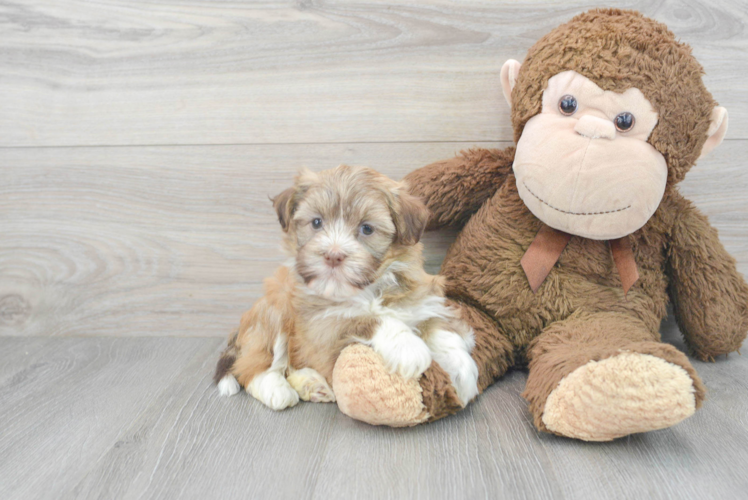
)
(509, 74)
(410, 220)
(717, 130)
(284, 207)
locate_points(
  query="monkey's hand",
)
(710, 296)
(455, 189)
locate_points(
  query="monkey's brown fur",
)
(580, 313)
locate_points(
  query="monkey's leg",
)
(367, 391)
(600, 376)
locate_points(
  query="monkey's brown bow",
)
(549, 243)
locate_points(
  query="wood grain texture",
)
(154, 241)
(64, 402)
(123, 264)
(134, 72)
(176, 240)
(139, 418)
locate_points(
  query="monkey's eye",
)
(567, 105)
(317, 223)
(624, 121)
(366, 229)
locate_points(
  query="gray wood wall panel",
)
(159, 240)
(176, 72)
(153, 241)
(66, 401)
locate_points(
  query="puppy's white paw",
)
(311, 386)
(452, 352)
(272, 389)
(228, 386)
(403, 351)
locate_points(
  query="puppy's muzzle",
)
(334, 259)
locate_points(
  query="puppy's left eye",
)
(366, 229)
(317, 223)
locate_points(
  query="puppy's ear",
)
(411, 218)
(284, 205)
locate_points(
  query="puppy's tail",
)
(227, 359)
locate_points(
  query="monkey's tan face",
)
(583, 164)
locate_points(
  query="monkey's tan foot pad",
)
(367, 391)
(618, 396)
(311, 386)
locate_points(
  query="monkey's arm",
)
(455, 189)
(710, 296)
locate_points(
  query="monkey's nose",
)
(334, 259)
(595, 128)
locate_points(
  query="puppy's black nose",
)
(334, 259)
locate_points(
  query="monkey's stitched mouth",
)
(572, 213)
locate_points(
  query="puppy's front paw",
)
(403, 351)
(273, 390)
(311, 386)
(452, 352)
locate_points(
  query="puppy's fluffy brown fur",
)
(356, 275)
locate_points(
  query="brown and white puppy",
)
(356, 275)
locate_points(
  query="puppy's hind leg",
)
(271, 387)
(273, 390)
(311, 386)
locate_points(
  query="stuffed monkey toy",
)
(573, 242)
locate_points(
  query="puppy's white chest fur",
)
(370, 303)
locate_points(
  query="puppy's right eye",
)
(317, 223)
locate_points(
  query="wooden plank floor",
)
(139, 418)
(139, 142)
